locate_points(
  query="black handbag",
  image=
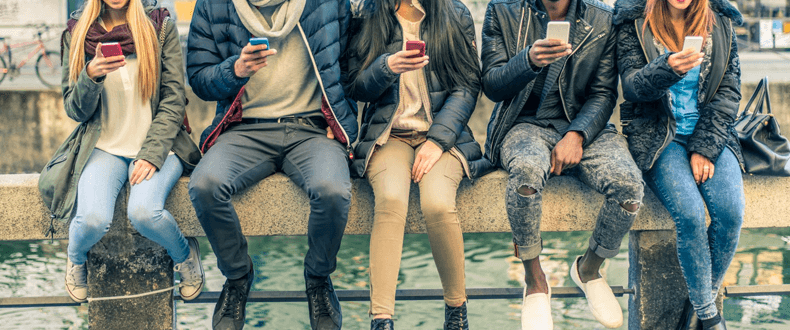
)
(765, 150)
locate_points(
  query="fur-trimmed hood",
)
(628, 10)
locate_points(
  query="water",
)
(37, 269)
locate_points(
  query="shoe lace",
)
(78, 275)
(319, 295)
(232, 303)
(189, 272)
(382, 325)
(455, 319)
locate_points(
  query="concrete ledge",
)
(276, 206)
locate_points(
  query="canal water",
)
(37, 269)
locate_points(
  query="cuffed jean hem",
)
(708, 312)
(602, 251)
(529, 252)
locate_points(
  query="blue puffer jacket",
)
(216, 37)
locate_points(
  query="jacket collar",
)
(629, 10)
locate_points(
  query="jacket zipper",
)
(323, 90)
(666, 137)
(562, 98)
(497, 127)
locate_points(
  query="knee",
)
(97, 222)
(331, 194)
(143, 217)
(437, 209)
(392, 201)
(526, 179)
(690, 221)
(203, 187)
(627, 193)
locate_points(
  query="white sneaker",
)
(76, 281)
(191, 271)
(536, 311)
(600, 299)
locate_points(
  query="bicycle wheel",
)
(48, 68)
(3, 69)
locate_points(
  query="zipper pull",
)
(350, 153)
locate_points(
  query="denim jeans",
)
(606, 166)
(247, 154)
(100, 183)
(704, 253)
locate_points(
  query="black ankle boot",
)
(382, 324)
(455, 318)
(716, 323)
(688, 318)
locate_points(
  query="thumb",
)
(98, 50)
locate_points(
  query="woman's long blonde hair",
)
(698, 16)
(143, 34)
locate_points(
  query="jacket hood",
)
(628, 10)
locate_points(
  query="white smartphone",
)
(693, 42)
(559, 30)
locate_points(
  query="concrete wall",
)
(33, 123)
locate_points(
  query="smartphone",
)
(111, 49)
(559, 30)
(693, 42)
(259, 41)
(419, 45)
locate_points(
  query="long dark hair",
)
(452, 55)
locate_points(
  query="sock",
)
(711, 321)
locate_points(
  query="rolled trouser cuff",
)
(602, 251)
(529, 252)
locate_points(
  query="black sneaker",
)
(382, 324)
(455, 318)
(322, 301)
(230, 308)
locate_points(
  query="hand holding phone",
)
(253, 57)
(683, 61)
(407, 60)
(102, 64)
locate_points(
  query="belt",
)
(312, 121)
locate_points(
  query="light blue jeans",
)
(704, 253)
(101, 181)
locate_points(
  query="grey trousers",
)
(606, 166)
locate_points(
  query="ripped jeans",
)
(606, 166)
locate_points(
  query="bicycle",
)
(48, 63)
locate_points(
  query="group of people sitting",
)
(289, 103)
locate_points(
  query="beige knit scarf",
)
(284, 19)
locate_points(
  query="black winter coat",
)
(646, 114)
(379, 87)
(587, 82)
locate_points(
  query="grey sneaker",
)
(76, 281)
(382, 324)
(455, 318)
(191, 271)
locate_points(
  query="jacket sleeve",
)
(368, 84)
(642, 81)
(452, 118)
(717, 117)
(503, 78)
(81, 98)
(170, 115)
(212, 78)
(601, 96)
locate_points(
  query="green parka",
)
(82, 102)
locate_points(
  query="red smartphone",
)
(111, 49)
(420, 45)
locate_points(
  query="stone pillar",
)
(125, 263)
(655, 275)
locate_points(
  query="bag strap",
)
(766, 96)
(757, 91)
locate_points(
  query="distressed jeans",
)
(704, 252)
(101, 182)
(606, 166)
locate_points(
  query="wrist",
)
(574, 136)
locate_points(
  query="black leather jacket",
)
(646, 114)
(379, 87)
(587, 82)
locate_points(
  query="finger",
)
(697, 171)
(422, 170)
(415, 60)
(135, 174)
(151, 172)
(98, 51)
(329, 133)
(553, 162)
(554, 49)
(705, 173)
(548, 42)
(408, 53)
(429, 165)
(710, 174)
(558, 168)
(415, 167)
